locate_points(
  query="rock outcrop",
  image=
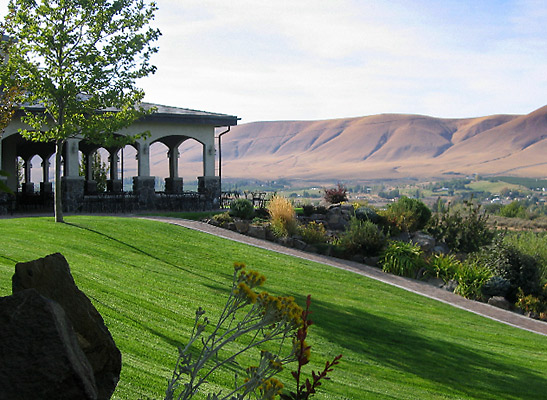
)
(51, 277)
(40, 357)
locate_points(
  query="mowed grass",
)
(147, 278)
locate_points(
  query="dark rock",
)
(437, 282)
(371, 261)
(425, 241)
(258, 232)
(440, 248)
(451, 285)
(242, 226)
(51, 277)
(39, 352)
(500, 302)
(299, 244)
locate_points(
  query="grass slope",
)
(147, 278)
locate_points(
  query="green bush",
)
(407, 215)
(465, 231)
(308, 210)
(506, 261)
(471, 277)
(313, 233)
(442, 266)
(530, 303)
(242, 208)
(366, 213)
(496, 286)
(514, 210)
(362, 237)
(532, 243)
(401, 258)
(223, 218)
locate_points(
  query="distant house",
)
(168, 125)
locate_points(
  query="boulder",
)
(337, 219)
(39, 351)
(258, 232)
(51, 277)
(451, 285)
(242, 226)
(500, 302)
(425, 241)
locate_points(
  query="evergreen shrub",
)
(242, 208)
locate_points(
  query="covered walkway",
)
(168, 125)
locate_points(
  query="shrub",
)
(443, 266)
(532, 243)
(336, 195)
(256, 319)
(471, 277)
(362, 237)
(313, 233)
(407, 215)
(515, 209)
(366, 213)
(496, 286)
(321, 210)
(223, 218)
(463, 232)
(506, 261)
(530, 303)
(308, 210)
(261, 213)
(401, 258)
(241, 208)
(282, 217)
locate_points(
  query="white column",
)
(72, 163)
(143, 159)
(209, 157)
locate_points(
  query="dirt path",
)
(421, 288)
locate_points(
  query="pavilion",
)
(168, 125)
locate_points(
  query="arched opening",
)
(36, 172)
(159, 164)
(190, 162)
(128, 166)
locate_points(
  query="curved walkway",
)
(421, 288)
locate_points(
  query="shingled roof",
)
(174, 114)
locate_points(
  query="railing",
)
(185, 201)
(109, 202)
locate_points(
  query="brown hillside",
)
(382, 147)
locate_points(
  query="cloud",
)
(318, 59)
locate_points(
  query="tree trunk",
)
(58, 195)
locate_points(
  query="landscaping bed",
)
(454, 250)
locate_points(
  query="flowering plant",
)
(303, 351)
(269, 319)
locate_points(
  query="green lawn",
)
(147, 278)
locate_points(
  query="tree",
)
(8, 95)
(79, 59)
(99, 170)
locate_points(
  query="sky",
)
(323, 59)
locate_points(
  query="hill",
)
(387, 146)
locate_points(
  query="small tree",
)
(79, 60)
(99, 170)
(337, 194)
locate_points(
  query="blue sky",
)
(321, 59)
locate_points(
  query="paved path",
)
(421, 288)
